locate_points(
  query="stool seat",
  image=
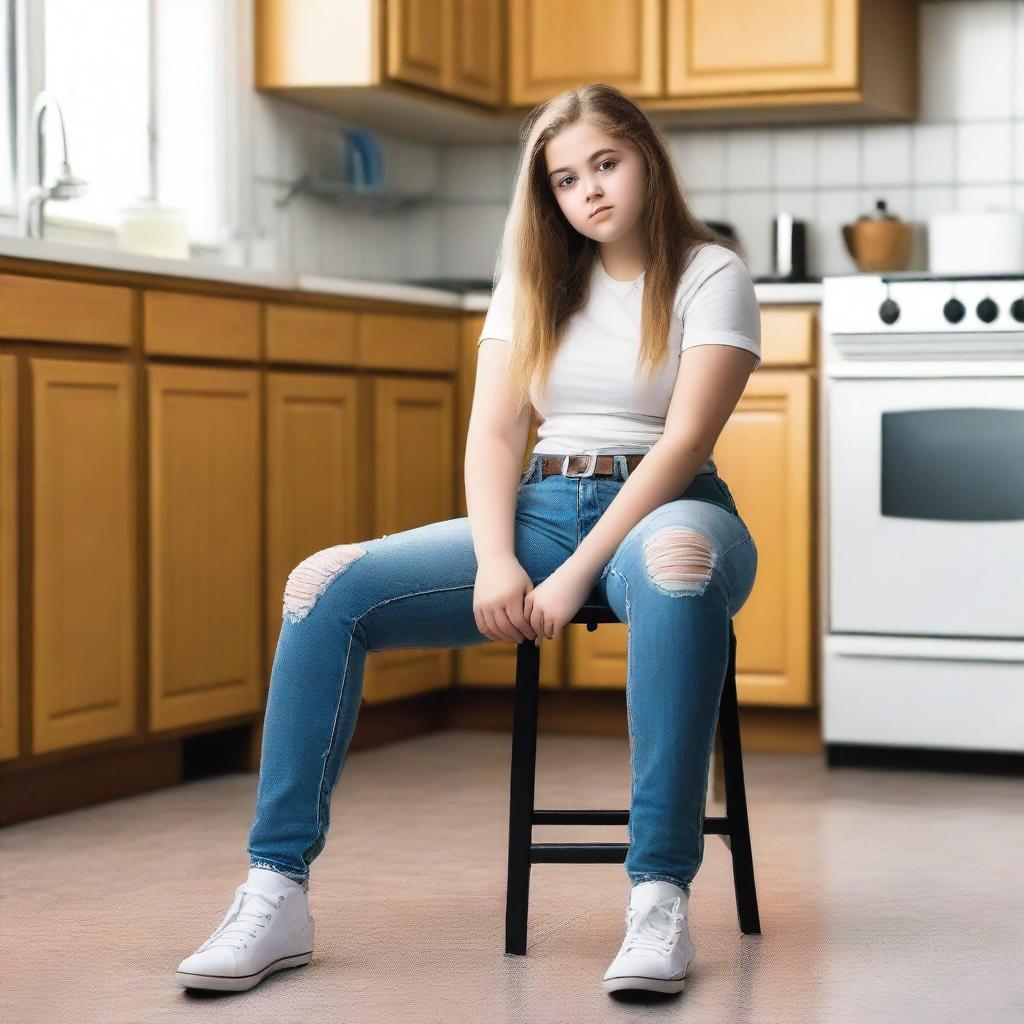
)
(523, 852)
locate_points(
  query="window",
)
(96, 63)
(7, 100)
(145, 88)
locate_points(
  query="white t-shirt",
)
(591, 403)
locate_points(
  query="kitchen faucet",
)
(67, 186)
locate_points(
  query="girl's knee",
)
(310, 579)
(679, 560)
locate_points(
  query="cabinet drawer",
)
(49, 309)
(300, 334)
(788, 335)
(397, 342)
(176, 324)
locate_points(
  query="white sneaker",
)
(657, 951)
(267, 927)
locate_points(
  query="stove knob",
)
(954, 311)
(889, 311)
(987, 310)
(1017, 309)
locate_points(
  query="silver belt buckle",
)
(591, 464)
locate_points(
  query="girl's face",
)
(588, 170)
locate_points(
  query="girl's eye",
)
(599, 166)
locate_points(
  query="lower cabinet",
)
(413, 427)
(205, 541)
(84, 553)
(354, 458)
(10, 745)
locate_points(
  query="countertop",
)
(207, 270)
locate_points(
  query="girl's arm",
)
(495, 446)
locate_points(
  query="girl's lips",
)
(600, 210)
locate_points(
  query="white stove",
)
(922, 520)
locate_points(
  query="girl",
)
(632, 329)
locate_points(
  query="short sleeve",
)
(723, 310)
(498, 321)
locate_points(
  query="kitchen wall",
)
(966, 152)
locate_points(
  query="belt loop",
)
(620, 467)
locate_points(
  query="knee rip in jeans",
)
(312, 576)
(679, 560)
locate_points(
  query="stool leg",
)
(736, 800)
(520, 813)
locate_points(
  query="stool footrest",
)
(584, 817)
(578, 853)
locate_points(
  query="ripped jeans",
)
(676, 579)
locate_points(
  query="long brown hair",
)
(552, 262)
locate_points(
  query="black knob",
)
(1017, 309)
(987, 310)
(889, 311)
(954, 311)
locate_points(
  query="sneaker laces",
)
(646, 933)
(241, 925)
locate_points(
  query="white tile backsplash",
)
(965, 152)
(748, 158)
(795, 156)
(885, 159)
(984, 151)
(933, 149)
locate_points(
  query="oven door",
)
(926, 495)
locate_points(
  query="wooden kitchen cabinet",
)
(68, 312)
(450, 46)
(9, 560)
(444, 69)
(205, 544)
(858, 54)
(315, 489)
(566, 43)
(412, 484)
(84, 562)
(387, 62)
(200, 326)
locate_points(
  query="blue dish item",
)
(370, 156)
(352, 165)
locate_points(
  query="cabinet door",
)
(765, 455)
(413, 484)
(84, 552)
(476, 68)
(9, 561)
(417, 34)
(561, 44)
(726, 47)
(493, 663)
(315, 487)
(450, 46)
(205, 556)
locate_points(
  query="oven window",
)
(957, 465)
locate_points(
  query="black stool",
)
(523, 852)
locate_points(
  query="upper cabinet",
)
(855, 58)
(463, 69)
(560, 45)
(451, 46)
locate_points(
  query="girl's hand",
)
(498, 595)
(553, 603)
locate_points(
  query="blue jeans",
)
(676, 579)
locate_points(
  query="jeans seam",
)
(629, 711)
(341, 695)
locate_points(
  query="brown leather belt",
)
(585, 465)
